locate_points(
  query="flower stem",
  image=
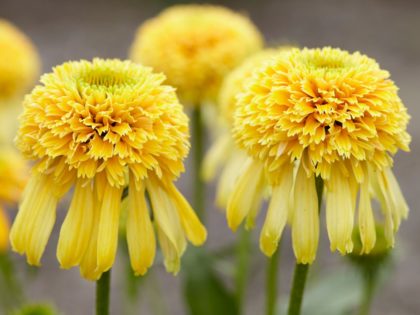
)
(271, 282)
(369, 286)
(102, 293)
(301, 270)
(243, 250)
(198, 153)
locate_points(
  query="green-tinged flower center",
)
(106, 78)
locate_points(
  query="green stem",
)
(198, 153)
(102, 293)
(271, 283)
(298, 287)
(301, 270)
(10, 286)
(369, 286)
(242, 266)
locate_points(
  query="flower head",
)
(13, 176)
(327, 113)
(196, 46)
(100, 126)
(19, 62)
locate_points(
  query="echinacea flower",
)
(13, 176)
(19, 67)
(100, 126)
(19, 61)
(327, 113)
(224, 151)
(196, 46)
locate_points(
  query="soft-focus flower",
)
(19, 61)
(13, 176)
(328, 113)
(100, 126)
(196, 46)
(224, 152)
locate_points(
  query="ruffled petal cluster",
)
(99, 127)
(196, 46)
(321, 113)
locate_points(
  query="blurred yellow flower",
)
(196, 46)
(100, 126)
(13, 176)
(19, 62)
(328, 113)
(224, 151)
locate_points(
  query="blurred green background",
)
(383, 29)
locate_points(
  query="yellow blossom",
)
(327, 113)
(224, 153)
(196, 46)
(13, 176)
(19, 61)
(100, 126)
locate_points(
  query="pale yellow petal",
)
(305, 225)
(240, 202)
(171, 256)
(108, 227)
(366, 219)
(77, 226)
(277, 213)
(217, 155)
(140, 233)
(193, 228)
(339, 212)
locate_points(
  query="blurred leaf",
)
(334, 293)
(205, 292)
(36, 309)
(11, 292)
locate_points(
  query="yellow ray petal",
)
(108, 227)
(240, 202)
(77, 226)
(305, 225)
(366, 219)
(140, 234)
(277, 212)
(339, 212)
(193, 228)
(4, 230)
(217, 154)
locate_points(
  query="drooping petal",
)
(108, 227)
(170, 232)
(366, 219)
(277, 212)
(240, 202)
(77, 226)
(305, 221)
(339, 212)
(193, 228)
(35, 220)
(140, 233)
(215, 157)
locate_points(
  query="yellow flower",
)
(328, 113)
(19, 62)
(196, 46)
(100, 126)
(224, 153)
(13, 176)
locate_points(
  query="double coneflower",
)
(326, 113)
(99, 127)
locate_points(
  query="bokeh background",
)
(386, 30)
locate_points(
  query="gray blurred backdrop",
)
(387, 30)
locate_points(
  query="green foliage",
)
(36, 309)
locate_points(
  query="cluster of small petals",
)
(105, 116)
(235, 81)
(19, 61)
(327, 102)
(322, 113)
(102, 126)
(196, 46)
